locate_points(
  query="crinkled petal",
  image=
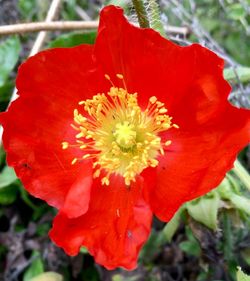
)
(197, 161)
(138, 54)
(189, 80)
(154, 66)
(114, 229)
(50, 87)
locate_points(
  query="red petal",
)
(197, 161)
(50, 87)
(77, 199)
(211, 134)
(143, 57)
(114, 228)
(190, 82)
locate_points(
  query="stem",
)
(155, 17)
(242, 173)
(141, 13)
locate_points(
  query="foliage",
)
(9, 53)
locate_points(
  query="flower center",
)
(118, 135)
(125, 135)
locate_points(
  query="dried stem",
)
(68, 25)
(47, 26)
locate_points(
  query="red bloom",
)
(125, 155)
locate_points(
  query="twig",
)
(47, 26)
(54, 7)
(68, 25)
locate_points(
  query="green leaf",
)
(9, 53)
(246, 255)
(83, 250)
(26, 7)
(8, 187)
(73, 39)
(5, 94)
(26, 198)
(2, 157)
(122, 3)
(236, 11)
(7, 176)
(35, 268)
(171, 227)
(241, 203)
(191, 246)
(152, 246)
(205, 210)
(241, 73)
(8, 194)
(228, 187)
(241, 276)
(43, 229)
(242, 173)
(48, 276)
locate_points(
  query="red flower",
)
(125, 155)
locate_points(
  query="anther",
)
(107, 76)
(65, 145)
(168, 142)
(120, 76)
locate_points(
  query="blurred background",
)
(209, 237)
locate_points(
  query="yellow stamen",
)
(120, 76)
(65, 145)
(118, 135)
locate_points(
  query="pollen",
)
(118, 135)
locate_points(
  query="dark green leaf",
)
(2, 157)
(152, 246)
(191, 246)
(8, 194)
(26, 198)
(73, 39)
(5, 94)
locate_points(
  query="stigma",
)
(118, 135)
